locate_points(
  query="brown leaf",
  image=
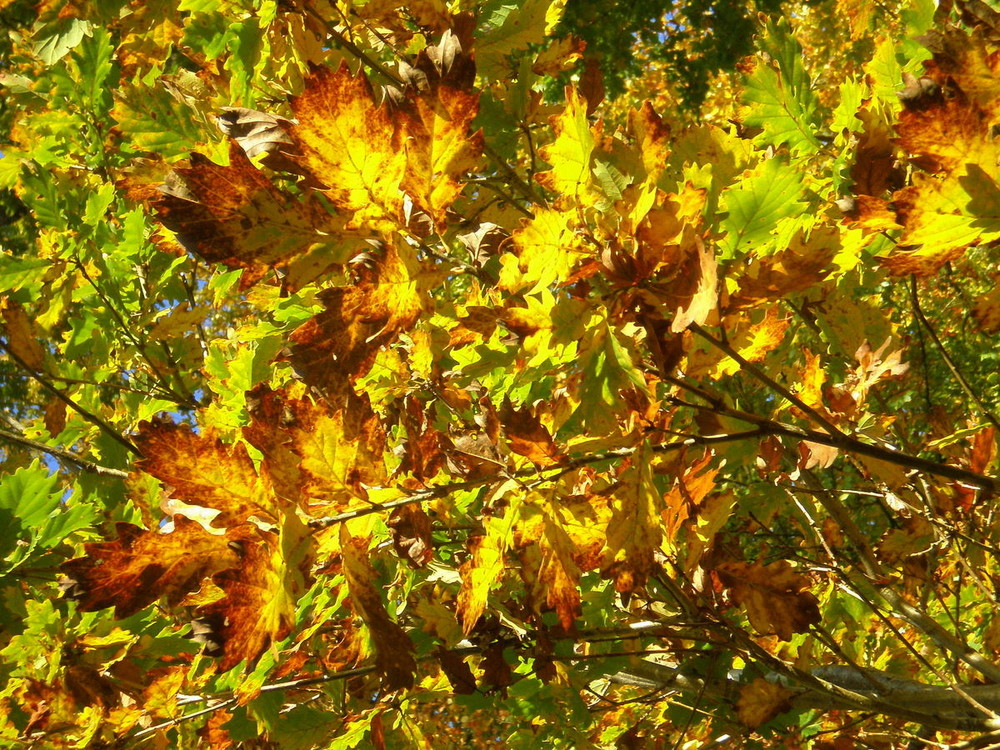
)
(774, 597)
(527, 435)
(411, 535)
(236, 216)
(874, 156)
(258, 608)
(459, 674)
(23, 339)
(141, 566)
(393, 647)
(760, 701)
(340, 343)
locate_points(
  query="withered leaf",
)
(142, 565)
(760, 701)
(340, 343)
(393, 647)
(528, 436)
(411, 535)
(774, 596)
(258, 608)
(202, 470)
(236, 216)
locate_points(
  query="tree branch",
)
(63, 455)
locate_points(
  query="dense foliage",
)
(362, 388)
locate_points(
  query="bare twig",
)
(63, 455)
(90, 417)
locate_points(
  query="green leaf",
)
(755, 206)
(66, 34)
(778, 94)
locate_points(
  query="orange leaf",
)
(141, 566)
(236, 216)
(201, 470)
(528, 436)
(258, 608)
(352, 145)
(341, 342)
(22, 338)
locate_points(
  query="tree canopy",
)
(375, 374)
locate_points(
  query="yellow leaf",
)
(546, 251)
(634, 531)
(439, 146)
(353, 146)
(570, 153)
(486, 565)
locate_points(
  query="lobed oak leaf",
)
(352, 145)
(258, 606)
(202, 470)
(874, 168)
(393, 647)
(652, 137)
(774, 597)
(236, 216)
(760, 701)
(754, 343)
(545, 251)
(141, 566)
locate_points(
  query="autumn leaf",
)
(258, 606)
(236, 216)
(23, 339)
(393, 648)
(352, 145)
(341, 342)
(440, 147)
(774, 596)
(141, 566)
(634, 531)
(202, 470)
(570, 153)
(528, 436)
(486, 564)
(760, 701)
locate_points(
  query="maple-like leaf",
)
(545, 250)
(258, 607)
(528, 436)
(393, 647)
(200, 469)
(142, 565)
(774, 596)
(570, 153)
(236, 216)
(435, 121)
(325, 456)
(352, 145)
(482, 571)
(340, 343)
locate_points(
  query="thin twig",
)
(90, 417)
(952, 367)
(63, 455)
